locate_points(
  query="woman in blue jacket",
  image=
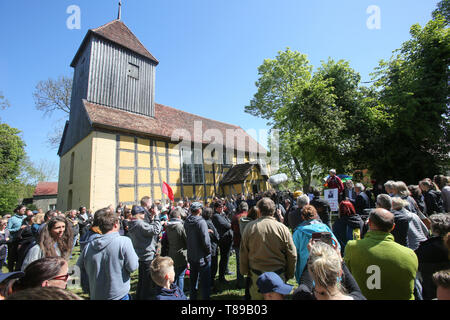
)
(303, 233)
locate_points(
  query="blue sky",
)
(209, 50)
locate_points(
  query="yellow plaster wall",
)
(126, 159)
(143, 176)
(143, 160)
(174, 177)
(126, 142)
(126, 176)
(103, 186)
(199, 191)
(81, 175)
(174, 163)
(143, 145)
(188, 191)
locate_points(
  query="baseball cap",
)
(137, 210)
(11, 275)
(195, 206)
(271, 282)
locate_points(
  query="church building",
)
(119, 145)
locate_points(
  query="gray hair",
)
(384, 201)
(398, 203)
(360, 186)
(302, 201)
(401, 188)
(389, 184)
(243, 206)
(440, 223)
(176, 213)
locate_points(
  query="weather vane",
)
(120, 10)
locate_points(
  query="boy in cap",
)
(272, 286)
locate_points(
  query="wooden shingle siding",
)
(109, 82)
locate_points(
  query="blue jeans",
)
(179, 277)
(200, 274)
(127, 297)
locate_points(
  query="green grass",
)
(224, 291)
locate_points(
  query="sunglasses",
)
(63, 277)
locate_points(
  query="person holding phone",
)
(331, 279)
(304, 232)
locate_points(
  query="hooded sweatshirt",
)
(301, 236)
(344, 229)
(108, 261)
(177, 242)
(174, 293)
(198, 242)
(145, 237)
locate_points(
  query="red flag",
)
(166, 189)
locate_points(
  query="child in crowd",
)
(272, 286)
(163, 274)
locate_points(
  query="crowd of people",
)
(388, 242)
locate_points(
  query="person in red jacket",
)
(334, 182)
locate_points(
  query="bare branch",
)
(4, 103)
(53, 95)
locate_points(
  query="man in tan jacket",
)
(266, 245)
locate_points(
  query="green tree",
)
(12, 153)
(442, 10)
(302, 107)
(412, 87)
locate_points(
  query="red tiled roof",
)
(46, 189)
(117, 32)
(165, 122)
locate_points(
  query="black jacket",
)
(214, 237)
(223, 226)
(400, 231)
(362, 202)
(323, 209)
(343, 229)
(197, 240)
(433, 202)
(433, 256)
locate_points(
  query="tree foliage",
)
(301, 105)
(12, 153)
(399, 128)
(413, 89)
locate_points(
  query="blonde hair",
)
(38, 218)
(398, 203)
(401, 189)
(159, 268)
(325, 265)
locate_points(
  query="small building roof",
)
(46, 189)
(117, 32)
(165, 122)
(238, 173)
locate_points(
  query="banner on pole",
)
(331, 195)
